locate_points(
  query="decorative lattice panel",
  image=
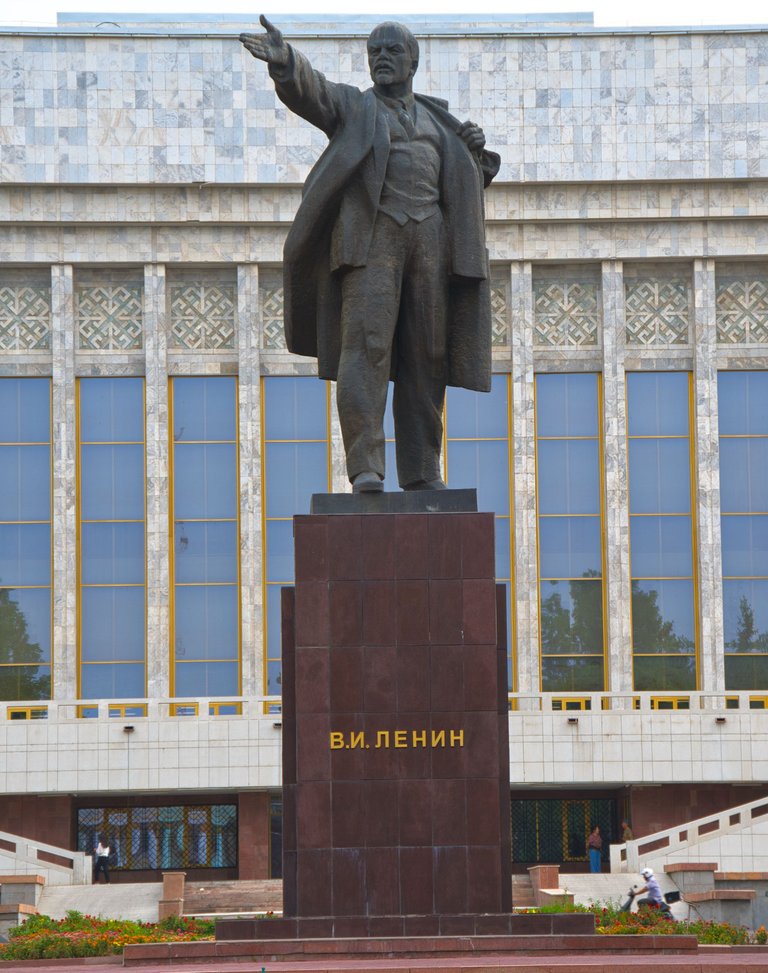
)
(499, 308)
(657, 310)
(566, 311)
(25, 313)
(203, 314)
(271, 300)
(742, 309)
(108, 312)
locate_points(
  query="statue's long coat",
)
(334, 224)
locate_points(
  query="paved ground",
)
(714, 962)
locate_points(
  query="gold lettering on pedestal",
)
(399, 739)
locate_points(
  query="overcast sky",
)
(607, 13)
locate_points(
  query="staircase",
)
(233, 898)
(522, 892)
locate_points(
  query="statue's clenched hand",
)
(473, 136)
(269, 47)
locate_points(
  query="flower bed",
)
(79, 935)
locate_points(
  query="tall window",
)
(25, 538)
(296, 465)
(205, 626)
(661, 530)
(743, 408)
(570, 526)
(478, 455)
(112, 525)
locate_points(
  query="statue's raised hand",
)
(269, 47)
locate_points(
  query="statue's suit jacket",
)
(334, 224)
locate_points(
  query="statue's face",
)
(389, 59)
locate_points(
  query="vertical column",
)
(251, 538)
(618, 589)
(158, 482)
(64, 525)
(706, 472)
(524, 489)
(339, 479)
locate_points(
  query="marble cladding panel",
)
(567, 306)
(271, 304)
(617, 586)
(202, 309)
(158, 481)
(189, 108)
(500, 306)
(109, 309)
(707, 478)
(657, 303)
(251, 539)
(64, 649)
(25, 310)
(742, 303)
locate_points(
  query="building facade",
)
(156, 437)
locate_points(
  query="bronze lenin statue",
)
(385, 267)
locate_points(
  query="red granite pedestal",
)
(395, 733)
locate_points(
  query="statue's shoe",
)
(426, 485)
(367, 482)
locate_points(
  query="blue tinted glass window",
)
(664, 672)
(569, 547)
(25, 554)
(205, 481)
(206, 679)
(280, 551)
(25, 410)
(572, 617)
(296, 408)
(112, 410)
(745, 546)
(478, 415)
(113, 624)
(661, 547)
(204, 409)
(657, 403)
(662, 616)
(568, 476)
(503, 549)
(27, 638)
(104, 681)
(112, 553)
(112, 482)
(744, 475)
(485, 466)
(742, 403)
(25, 482)
(745, 615)
(294, 471)
(572, 674)
(566, 405)
(206, 622)
(206, 552)
(661, 476)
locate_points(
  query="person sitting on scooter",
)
(655, 899)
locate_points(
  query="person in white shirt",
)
(101, 853)
(655, 897)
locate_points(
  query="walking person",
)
(101, 853)
(594, 848)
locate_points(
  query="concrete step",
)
(522, 892)
(231, 898)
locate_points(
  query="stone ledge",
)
(674, 867)
(401, 502)
(18, 908)
(22, 879)
(722, 895)
(741, 876)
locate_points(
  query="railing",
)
(644, 702)
(59, 865)
(635, 854)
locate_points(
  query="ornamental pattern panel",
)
(742, 308)
(25, 312)
(271, 300)
(657, 310)
(109, 311)
(566, 310)
(203, 314)
(500, 307)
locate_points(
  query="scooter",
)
(663, 907)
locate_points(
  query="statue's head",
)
(393, 54)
